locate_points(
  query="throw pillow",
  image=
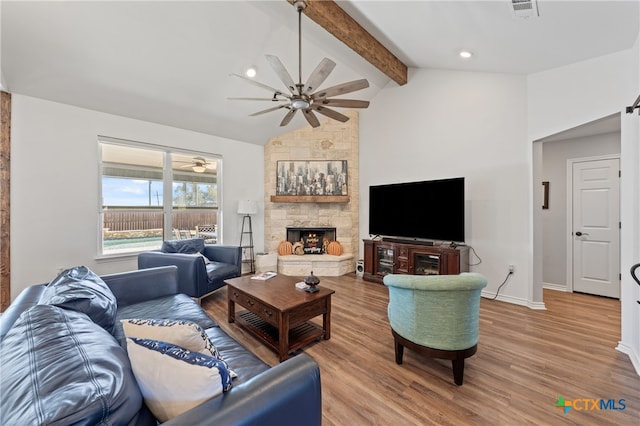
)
(185, 334)
(172, 379)
(191, 246)
(79, 289)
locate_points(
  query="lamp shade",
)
(247, 207)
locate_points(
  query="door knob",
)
(579, 234)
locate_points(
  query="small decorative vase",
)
(312, 283)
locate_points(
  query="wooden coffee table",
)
(278, 312)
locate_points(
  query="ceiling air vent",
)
(525, 8)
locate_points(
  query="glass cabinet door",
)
(426, 264)
(385, 260)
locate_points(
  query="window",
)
(150, 194)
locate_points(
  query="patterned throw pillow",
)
(172, 379)
(185, 334)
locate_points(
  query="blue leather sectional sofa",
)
(62, 366)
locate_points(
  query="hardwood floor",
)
(526, 359)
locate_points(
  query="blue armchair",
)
(199, 273)
(436, 315)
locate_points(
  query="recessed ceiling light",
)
(251, 72)
(465, 54)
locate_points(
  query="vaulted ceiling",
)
(169, 62)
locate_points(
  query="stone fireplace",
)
(314, 240)
(332, 141)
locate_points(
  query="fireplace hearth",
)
(314, 240)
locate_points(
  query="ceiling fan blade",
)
(344, 103)
(330, 113)
(311, 117)
(268, 110)
(257, 99)
(287, 118)
(341, 89)
(282, 72)
(255, 83)
(319, 75)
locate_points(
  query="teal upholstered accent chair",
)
(436, 315)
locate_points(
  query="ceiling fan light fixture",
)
(199, 168)
(304, 96)
(299, 104)
(251, 72)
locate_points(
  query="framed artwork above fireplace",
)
(317, 178)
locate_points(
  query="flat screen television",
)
(426, 210)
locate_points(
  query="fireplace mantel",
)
(309, 198)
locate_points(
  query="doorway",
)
(593, 245)
(552, 228)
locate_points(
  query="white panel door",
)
(596, 232)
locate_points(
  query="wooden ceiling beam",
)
(337, 22)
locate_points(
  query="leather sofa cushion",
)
(59, 367)
(244, 363)
(218, 271)
(81, 290)
(179, 307)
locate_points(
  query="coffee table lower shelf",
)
(299, 336)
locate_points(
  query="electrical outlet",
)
(511, 269)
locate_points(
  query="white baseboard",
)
(555, 287)
(540, 306)
(633, 356)
(515, 301)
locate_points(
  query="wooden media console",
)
(393, 257)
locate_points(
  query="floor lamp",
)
(246, 208)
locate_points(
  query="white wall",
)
(54, 185)
(567, 97)
(554, 219)
(447, 124)
(630, 217)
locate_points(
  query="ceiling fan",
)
(198, 165)
(305, 96)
